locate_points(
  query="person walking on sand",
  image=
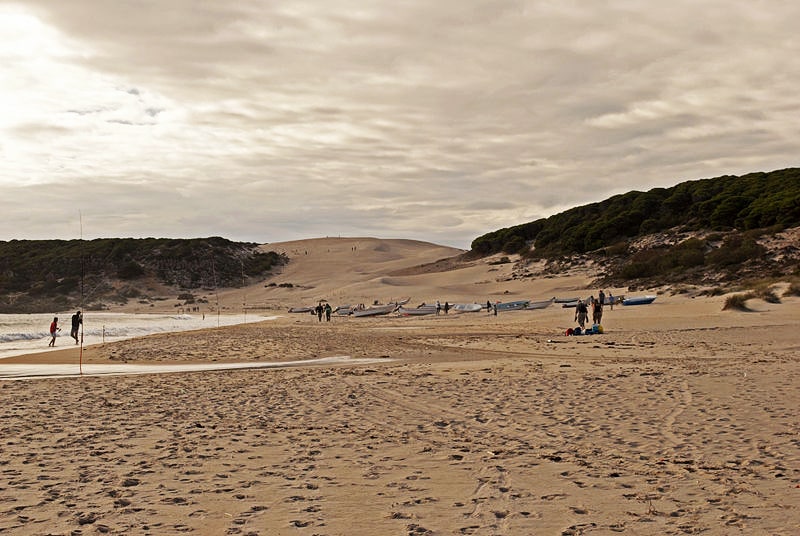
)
(438, 307)
(318, 309)
(446, 307)
(328, 311)
(488, 307)
(581, 314)
(597, 311)
(602, 297)
(77, 320)
(53, 329)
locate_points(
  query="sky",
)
(267, 121)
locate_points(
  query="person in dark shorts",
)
(77, 320)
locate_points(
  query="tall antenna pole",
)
(244, 293)
(216, 288)
(80, 353)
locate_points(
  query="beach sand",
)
(680, 419)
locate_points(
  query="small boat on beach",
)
(417, 311)
(638, 300)
(467, 307)
(300, 309)
(375, 310)
(343, 310)
(566, 300)
(513, 305)
(543, 304)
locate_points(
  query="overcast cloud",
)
(268, 121)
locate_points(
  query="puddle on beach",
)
(17, 371)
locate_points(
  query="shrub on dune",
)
(737, 302)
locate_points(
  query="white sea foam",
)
(28, 333)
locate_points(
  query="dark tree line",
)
(753, 201)
(55, 270)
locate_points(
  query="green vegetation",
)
(737, 302)
(44, 274)
(793, 290)
(749, 202)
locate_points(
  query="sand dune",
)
(680, 419)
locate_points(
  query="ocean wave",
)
(31, 336)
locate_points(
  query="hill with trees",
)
(47, 275)
(708, 225)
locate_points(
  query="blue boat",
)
(638, 300)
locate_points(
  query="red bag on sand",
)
(569, 332)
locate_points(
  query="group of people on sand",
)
(320, 309)
(595, 305)
(77, 320)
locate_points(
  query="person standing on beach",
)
(581, 314)
(318, 309)
(438, 307)
(328, 311)
(602, 297)
(597, 311)
(446, 307)
(488, 307)
(53, 329)
(77, 320)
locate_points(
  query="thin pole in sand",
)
(244, 293)
(80, 352)
(216, 289)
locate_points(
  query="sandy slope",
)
(680, 419)
(363, 270)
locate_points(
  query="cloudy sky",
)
(440, 120)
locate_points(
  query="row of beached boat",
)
(400, 307)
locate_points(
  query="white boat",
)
(638, 300)
(467, 307)
(417, 311)
(343, 310)
(539, 304)
(513, 305)
(375, 310)
(300, 309)
(566, 300)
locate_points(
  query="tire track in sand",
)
(669, 421)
